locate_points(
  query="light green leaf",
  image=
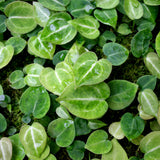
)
(17, 43)
(96, 124)
(63, 130)
(1, 90)
(36, 101)
(16, 79)
(132, 127)
(107, 4)
(87, 26)
(133, 9)
(5, 149)
(140, 43)
(58, 30)
(116, 131)
(57, 80)
(42, 14)
(88, 70)
(116, 153)
(2, 23)
(116, 53)
(124, 29)
(33, 72)
(33, 139)
(97, 142)
(21, 18)
(6, 54)
(152, 2)
(152, 62)
(51, 157)
(149, 145)
(63, 113)
(3, 123)
(149, 102)
(86, 102)
(18, 150)
(108, 16)
(157, 44)
(56, 5)
(121, 97)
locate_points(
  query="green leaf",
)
(154, 126)
(116, 53)
(96, 124)
(33, 72)
(58, 30)
(1, 90)
(5, 149)
(116, 131)
(87, 26)
(63, 113)
(56, 5)
(88, 71)
(57, 80)
(147, 81)
(140, 43)
(2, 23)
(106, 4)
(33, 139)
(149, 145)
(97, 142)
(21, 18)
(39, 60)
(51, 157)
(42, 14)
(81, 126)
(80, 8)
(149, 102)
(152, 2)
(16, 79)
(17, 43)
(63, 130)
(133, 9)
(157, 44)
(6, 54)
(76, 150)
(132, 127)
(108, 16)
(116, 153)
(18, 150)
(121, 97)
(152, 62)
(124, 29)
(3, 123)
(36, 101)
(85, 101)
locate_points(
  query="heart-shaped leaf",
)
(97, 142)
(107, 4)
(57, 80)
(5, 149)
(63, 130)
(86, 102)
(108, 16)
(124, 29)
(36, 101)
(88, 70)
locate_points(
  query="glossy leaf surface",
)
(107, 4)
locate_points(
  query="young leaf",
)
(3, 123)
(56, 5)
(33, 139)
(116, 153)
(97, 142)
(121, 96)
(5, 149)
(96, 124)
(116, 131)
(85, 101)
(149, 145)
(116, 53)
(36, 101)
(124, 29)
(132, 127)
(133, 9)
(152, 2)
(21, 17)
(87, 26)
(76, 150)
(108, 17)
(33, 72)
(63, 130)
(58, 30)
(89, 71)
(140, 43)
(2, 23)
(107, 4)
(57, 80)
(149, 102)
